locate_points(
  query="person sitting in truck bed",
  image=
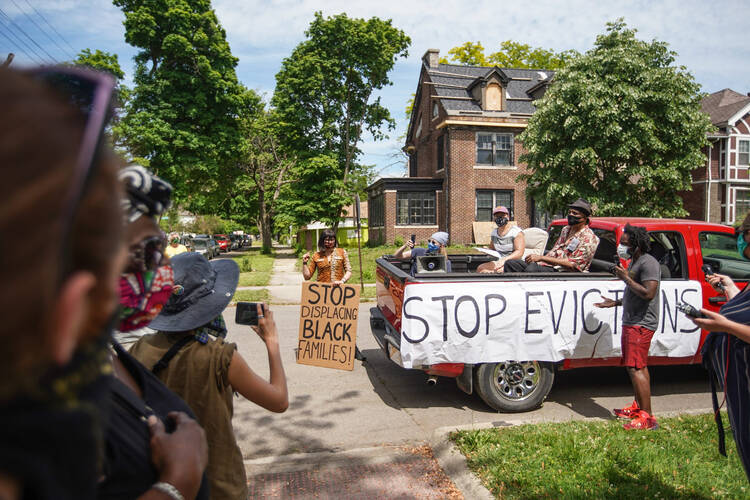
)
(507, 240)
(436, 244)
(573, 250)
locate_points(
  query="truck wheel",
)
(515, 386)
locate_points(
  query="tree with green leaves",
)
(182, 119)
(511, 55)
(621, 126)
(109, 63)
(325, 98)
(266, 168)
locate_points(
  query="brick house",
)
(463, 153)
(721, 186)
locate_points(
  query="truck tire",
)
(515, 386)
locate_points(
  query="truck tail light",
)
(446, 369)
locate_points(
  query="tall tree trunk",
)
(265, 227)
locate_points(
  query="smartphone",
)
(708, 272)
(689, 310)
(413, 238)
(247, 313)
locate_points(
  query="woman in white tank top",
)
(506, 239)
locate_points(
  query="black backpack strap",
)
(717, 413)
(171, 353)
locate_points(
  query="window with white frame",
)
(741, 204)
(415, 208)
(494, 149)
(743, 149)
(488, 199)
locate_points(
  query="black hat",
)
(202, 290)
(583, 205)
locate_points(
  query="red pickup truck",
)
(505, 335)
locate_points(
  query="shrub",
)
(398, 241)
(246, 264)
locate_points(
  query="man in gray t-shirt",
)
(640, 317)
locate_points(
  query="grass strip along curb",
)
(585, 459)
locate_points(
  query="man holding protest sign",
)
(640, 317)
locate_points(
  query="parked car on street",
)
(203, 247)
(236, 241)
(223, 241)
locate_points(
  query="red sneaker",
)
(642, 421)
(627, 412)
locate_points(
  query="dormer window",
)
(489, 90)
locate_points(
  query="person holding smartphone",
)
(725, 353)
(435, 245)
(189, 355)
(640, 318)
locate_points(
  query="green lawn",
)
(251, 296)
(595, 460)
(370, 254)
(255, 268)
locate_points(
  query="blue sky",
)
(711, 38)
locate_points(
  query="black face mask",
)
(501, 221)
(573, 220)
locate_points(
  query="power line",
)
(22, 45)
(27, 36)
(53, 29)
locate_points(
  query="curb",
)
(455, 467)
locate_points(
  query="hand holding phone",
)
(247, 313)
(690, 311)
(710, 272)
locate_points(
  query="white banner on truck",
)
(483, 322)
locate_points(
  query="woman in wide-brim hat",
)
(189, 355)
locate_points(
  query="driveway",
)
(379, 403)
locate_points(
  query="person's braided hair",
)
(638, 238)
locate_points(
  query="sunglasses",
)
(147, 255)
(91, 93)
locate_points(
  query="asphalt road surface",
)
(380, 403)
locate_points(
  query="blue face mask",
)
(432, 248)
(741, 245)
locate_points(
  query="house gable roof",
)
(725, 107)
(452, 85)
(494, 72)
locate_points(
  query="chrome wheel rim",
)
(516, 380)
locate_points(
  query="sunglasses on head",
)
(91, 93)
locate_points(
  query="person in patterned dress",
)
(573, 250)
(330, 261)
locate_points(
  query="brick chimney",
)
(430, 58)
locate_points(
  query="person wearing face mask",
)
(640, 318)
(145, 286)
(507, 240)
(189, 355)
(435, 245)
(330, 261)
(573, 251)
(743, 233)
(726, 351)
(60, 190)
(175, 247)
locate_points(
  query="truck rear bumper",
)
(386, 336)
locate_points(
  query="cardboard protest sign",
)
(328, 325)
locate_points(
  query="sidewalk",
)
(285, 284)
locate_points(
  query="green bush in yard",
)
(246, 264)
(398, 241)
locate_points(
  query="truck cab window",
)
(669, 249)
(720, 252)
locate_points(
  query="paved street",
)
(379, 404)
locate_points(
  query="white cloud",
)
(710, 38)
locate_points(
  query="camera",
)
(689, 310)
(247, 313)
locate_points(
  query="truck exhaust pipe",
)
(431, 380)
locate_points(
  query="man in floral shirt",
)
(573, 250)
